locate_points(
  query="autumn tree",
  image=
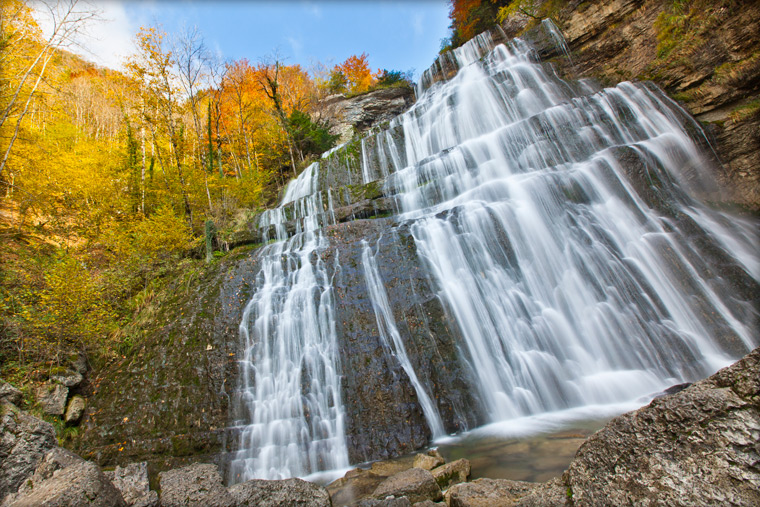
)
(24, 57)
(152, 68)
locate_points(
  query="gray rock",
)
(427, 462)
(416, 484)
(79, 484)
(56, 459)
(386, 502)
(429, 503)
(79, 363)
(291, 492)
(696, 447)
(24, 440)
(452, 473)
(52, 398)
(75, 410)
(365, 111)
(132, 482)
(69, 379)
(488, 493)
(197, 485)
(9, 394)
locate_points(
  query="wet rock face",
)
(696, 447)
(384, 418)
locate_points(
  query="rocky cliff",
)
(704, 54)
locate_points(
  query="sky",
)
(395, 34)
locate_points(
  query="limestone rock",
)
(365, 111)
(56, 459)
(9, 394)
(292, 492)
(427, 462)
(79, 484)
(385, 502)
(696, 447)
(488, 493)
(428, 503)
(416, 484)
(197, 485)
(452, 473)
(69, 379)
(132, 482)
(52, 398)
(75, 410)
(24, 440)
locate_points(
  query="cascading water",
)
(562, 230)
(292, 420)
(569, 286)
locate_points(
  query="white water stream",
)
(562, 229)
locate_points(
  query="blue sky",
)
(397, 35)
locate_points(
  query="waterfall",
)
(560, 225)
(289, 397)
(562, 228)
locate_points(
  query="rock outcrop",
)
(697, 447)
(24, 441)
(199, 485)
(360, 113)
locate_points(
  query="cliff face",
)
(704, 54)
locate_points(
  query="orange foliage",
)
(356, 70)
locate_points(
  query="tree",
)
(26, 55)
(357, 73)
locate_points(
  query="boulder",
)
(9, 394)
(291, 492)
(695, 447)
(24, 440)
(56, 459)
(69, 379)
(416, 484)
(132, 482)
(391, 501)
(75, 410)
(427, 462)
(452, 473)
(488, 493)
(429, 503)
(52, 398)
(79, 484)
(197, 485)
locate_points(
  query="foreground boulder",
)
(132, 482)
(195, 485)
(9, 394)
(79, 484)
(697, 447)
(416, 484)
(291, 492)
(24, 440)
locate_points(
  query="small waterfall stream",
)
(562, 228)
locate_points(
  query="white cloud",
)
(418, 27)
(295, 45)
(105, 40)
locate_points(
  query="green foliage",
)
(337, 82)
(311, 138)
(388, 78)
